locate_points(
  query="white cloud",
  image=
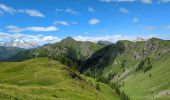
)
(58, 10)
(71, 11)
(129, 1)
(167, 27)
(150, 27)
(37, 38)
(124, 10)
(30, 12)
(90, 9)
(74, 22)
(147, 1)
(7, 9)
(164, 1)
(16, 29)
(135, 20)
(93, 21)
(108, 1)
(65, 23)
(111, 38)
(1, 12)
(51, 38)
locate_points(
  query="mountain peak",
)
(68, 39)
(154, 39)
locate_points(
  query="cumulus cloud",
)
(124, 10)
(38, 38)
(90, 9)
(15, 29)
(163, 1)
(135, 20)
(7, 9)
(93, 21)
(128, 1)
(111, 38)
(69, 10)
(65, 23)
(108, 1)
(30, 12)
(150, 27)
(165, 27)
(147, 1)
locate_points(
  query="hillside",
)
(152, 85)
(136, 66)
(136, 70)
(43, 79)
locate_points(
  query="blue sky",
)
(46, 21)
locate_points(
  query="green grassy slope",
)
(140, 86)
(123, 67)
(43, 79)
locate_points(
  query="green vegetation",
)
(141, 68)
(68, 51)
(134, 70)
(44, 79)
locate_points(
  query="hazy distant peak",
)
(20, 44)
(139, 39)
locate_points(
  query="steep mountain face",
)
(7, 52)
(68, 51)
(102, 58)
(125, 51)
(141, 62)
(20, 44)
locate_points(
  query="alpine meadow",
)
(84, 50)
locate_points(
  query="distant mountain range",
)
(7, 52)
(104, 42)
(20, 44)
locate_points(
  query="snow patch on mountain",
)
(20, 44)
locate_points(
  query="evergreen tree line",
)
(144, 65)
(121, 93)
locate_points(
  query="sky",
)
(49, 21)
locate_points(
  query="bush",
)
(122, 94)
(97, 86)
(110, 76)
(102, 79)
